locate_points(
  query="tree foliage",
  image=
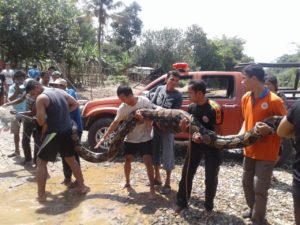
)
(127, 27)
(38, 29)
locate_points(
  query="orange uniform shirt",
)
(257, 110)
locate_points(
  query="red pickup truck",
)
(222, 86)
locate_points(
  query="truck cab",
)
(222, 86)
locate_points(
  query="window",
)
(218, 86)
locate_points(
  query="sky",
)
(270, 28)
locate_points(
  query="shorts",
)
(61, 143)
(144, 148)
(15, 125)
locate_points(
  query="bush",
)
(119, 79)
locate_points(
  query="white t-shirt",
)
(141, 132)
(8, 76)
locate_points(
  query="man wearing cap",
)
(55, 75)
(75, 115)
(54, 104)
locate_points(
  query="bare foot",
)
(41, 198)
(152, 195)
(84, 190)
(127, 186)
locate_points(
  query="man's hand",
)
(183, 124)
(263, 129)
(13, 112)
(197, 138)
(138, 116)
(102, 140)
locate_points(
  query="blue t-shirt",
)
(21, 107)
(75, 115)
(34, 73)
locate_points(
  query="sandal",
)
(166, 190)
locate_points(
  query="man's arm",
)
(242, 130)
(286, 129)
(42, 102)
(16, 101)
(110, 129)
(73, 104)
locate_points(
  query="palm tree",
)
(101, 9)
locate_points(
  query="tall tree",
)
(101, 9)
(204, 52)
(51, 30)
(127, 26)
(159, 48)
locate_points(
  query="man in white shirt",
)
(136, 141)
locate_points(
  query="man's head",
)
(59, 83)
(33, 87)
(19, 77)
(7, 65)
(271, 83)
(55, 75)
(125, 94)
(254, 75)
(45, 77)
(172, 80)
(34, 66)
(197, 90)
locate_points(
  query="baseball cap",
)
(60, 81)
(56, 73)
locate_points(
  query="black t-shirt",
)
(209, 114)
(294, 118)
(2, 80)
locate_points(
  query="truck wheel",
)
(285, 152)
(96, 131)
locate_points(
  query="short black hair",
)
(198, 85)
(31, 84)
(43, 73)
(174, 73)
(273, 80)
(19, 73)
(51, 68)
(255, 70)
(124, 90)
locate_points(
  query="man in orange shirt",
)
(258, 104)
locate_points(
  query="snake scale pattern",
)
(169, 120)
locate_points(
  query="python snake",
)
(169, 120)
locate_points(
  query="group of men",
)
(59, 105)
(258, 104)
(53, 109)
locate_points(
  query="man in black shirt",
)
(209, 114)
(290, 127)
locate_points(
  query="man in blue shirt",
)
(16, 92)
(34, 72)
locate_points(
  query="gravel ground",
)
(108, 203)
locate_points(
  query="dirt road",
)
(109, 203)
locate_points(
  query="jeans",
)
(256, 182)
(296, 197)
(164, 141)
(213, 160)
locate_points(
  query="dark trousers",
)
(296, 197)
(66, 168)
(28, 127)
(213, 159)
